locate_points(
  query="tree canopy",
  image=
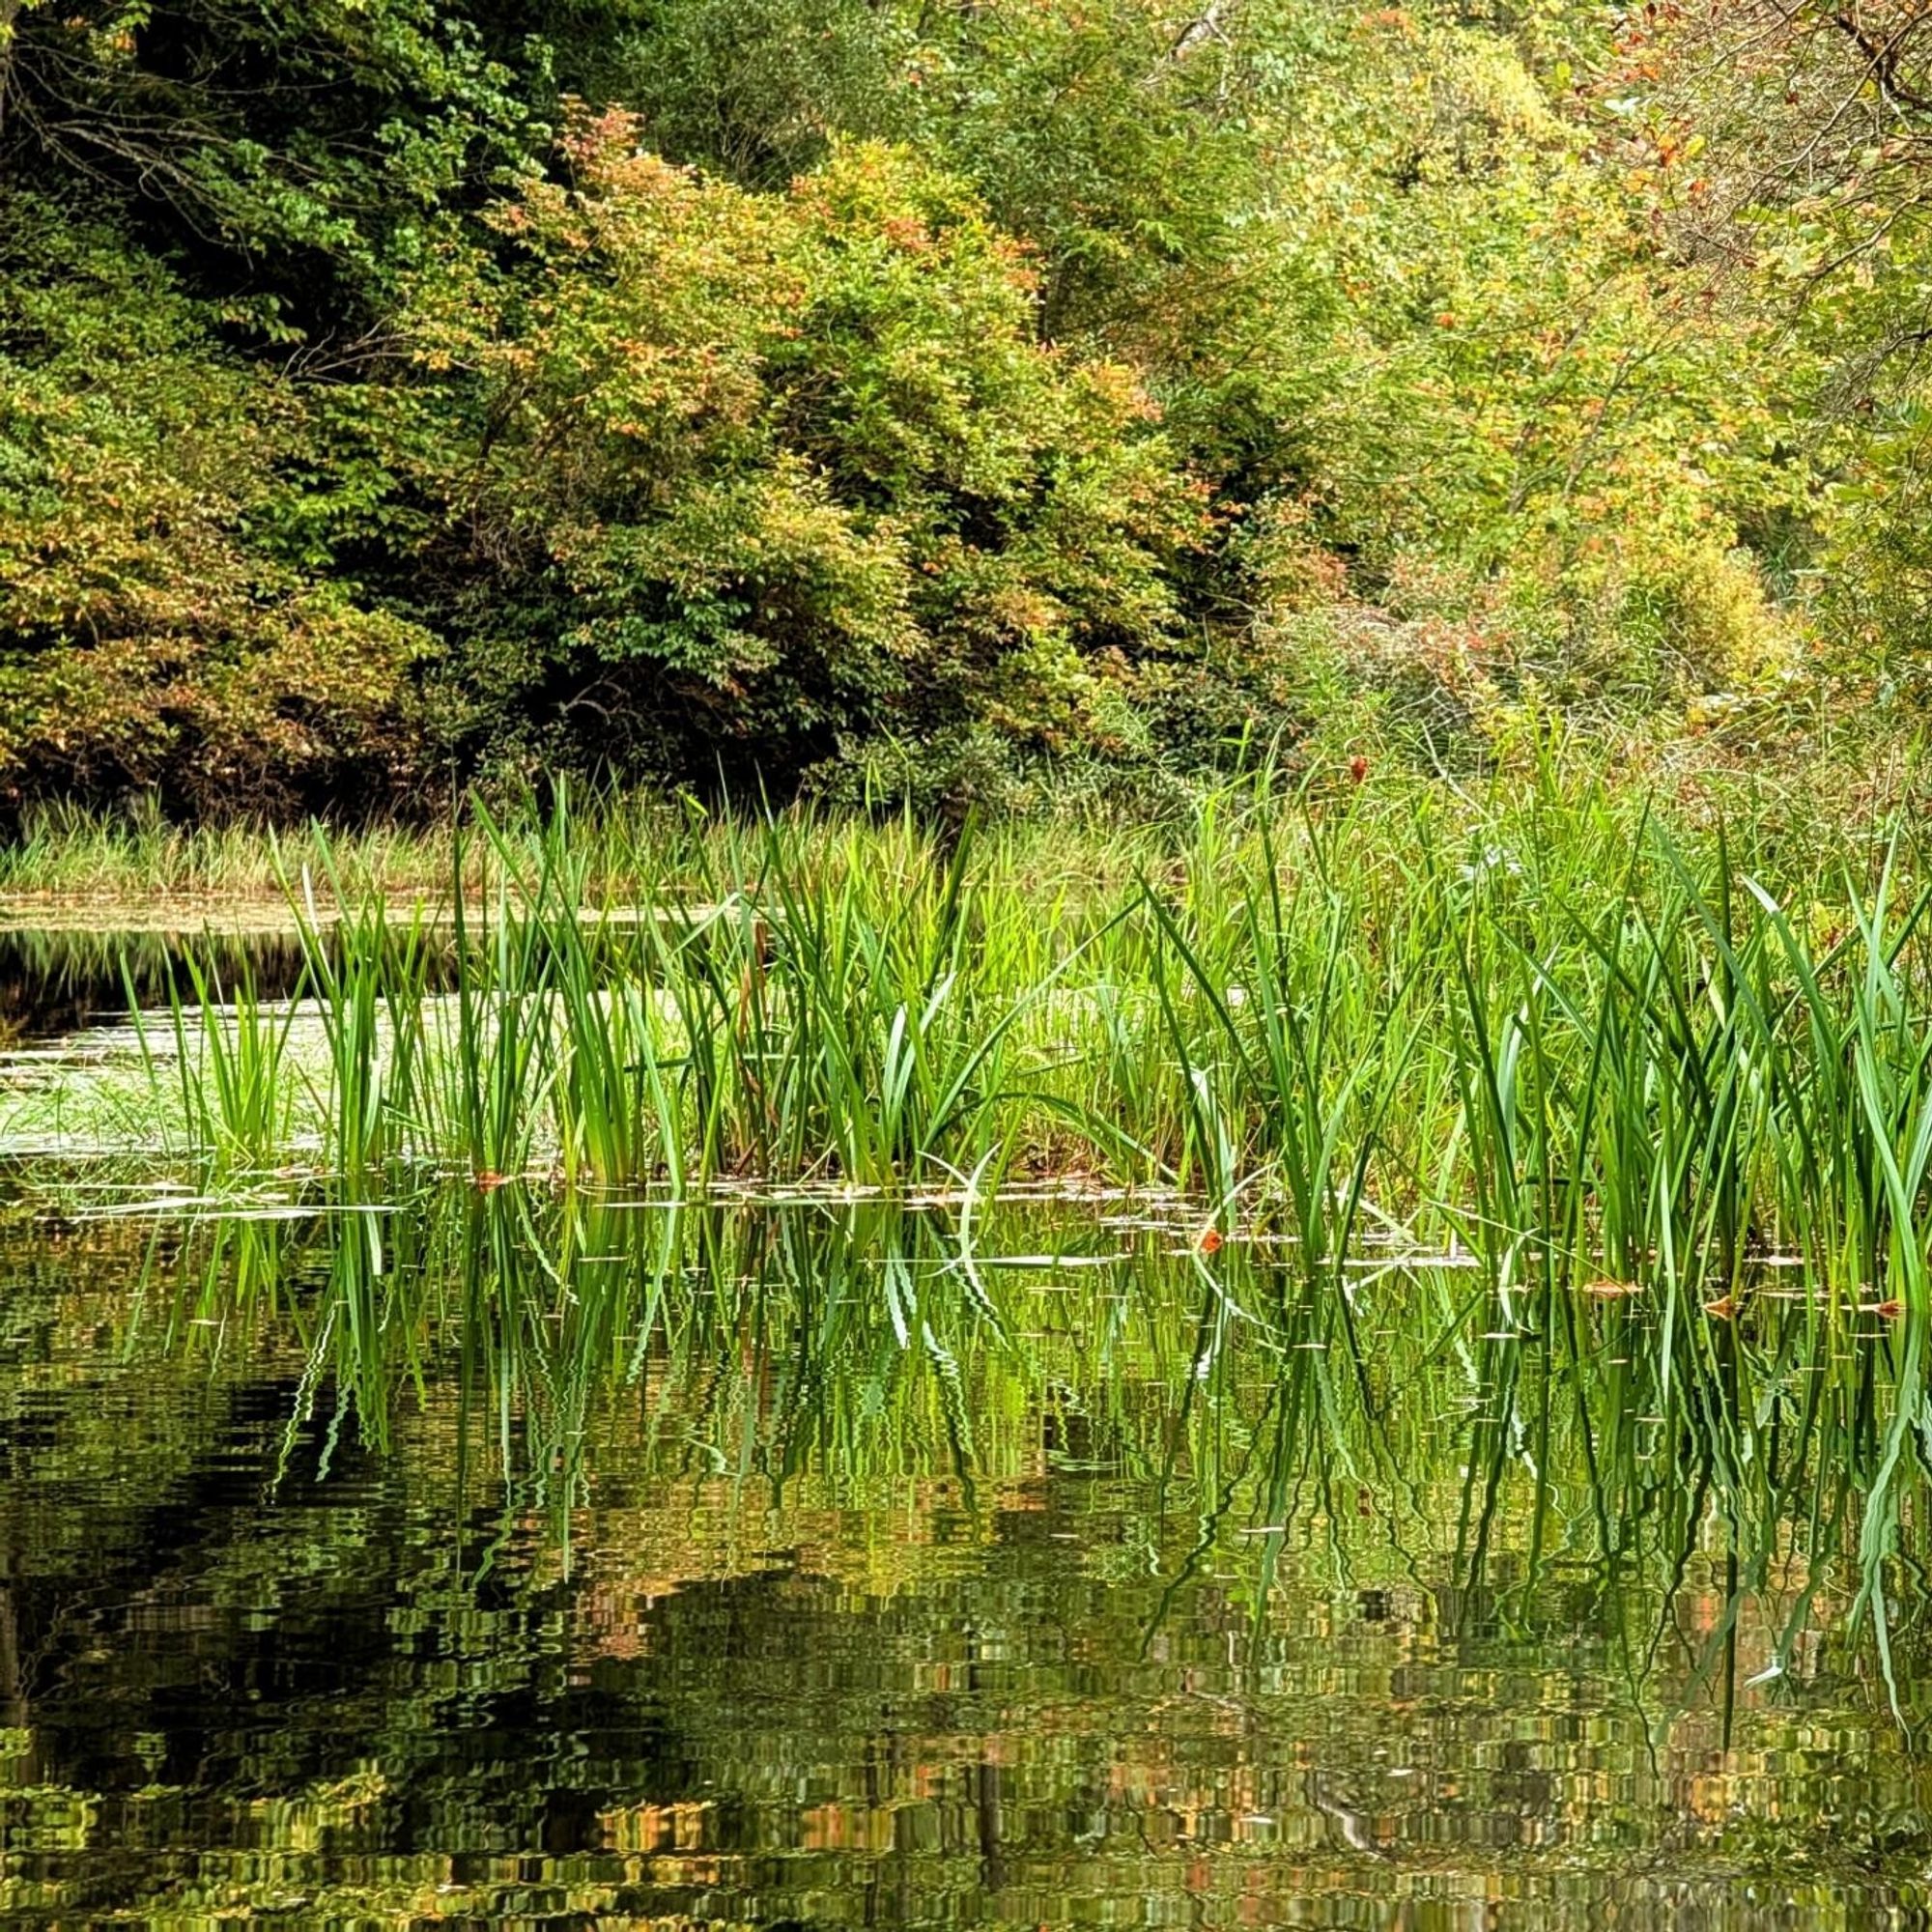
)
(889, 394)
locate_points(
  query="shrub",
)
(152, 633)
(770, 471)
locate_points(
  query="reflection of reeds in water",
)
(631, 1555)
(1597, 1453)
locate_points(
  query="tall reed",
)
(1552, 1027)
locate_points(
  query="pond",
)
(510, 1563)
(54, 983)
(517, 1557)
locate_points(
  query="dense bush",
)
(883, 397)
(161, 631)
(773, 471)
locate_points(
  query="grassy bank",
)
(138, 867)
(1570, 1028)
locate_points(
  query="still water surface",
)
(502, 1563)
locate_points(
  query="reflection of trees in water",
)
(53, 983)
(59, 981)
(300, 1546)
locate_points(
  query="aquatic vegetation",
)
(1578, 1039)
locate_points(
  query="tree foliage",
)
(807, 387)
(777, 469)
(160, 629)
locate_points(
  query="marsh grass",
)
(1588, 1044)
(1544, 1170)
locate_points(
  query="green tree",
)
(154, 630)
(777, 469)
(290, 153)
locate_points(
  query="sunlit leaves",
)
(792, 462)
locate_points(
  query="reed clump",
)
(1554, 1026)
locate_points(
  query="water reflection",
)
(502, 1562)
(57, 983)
